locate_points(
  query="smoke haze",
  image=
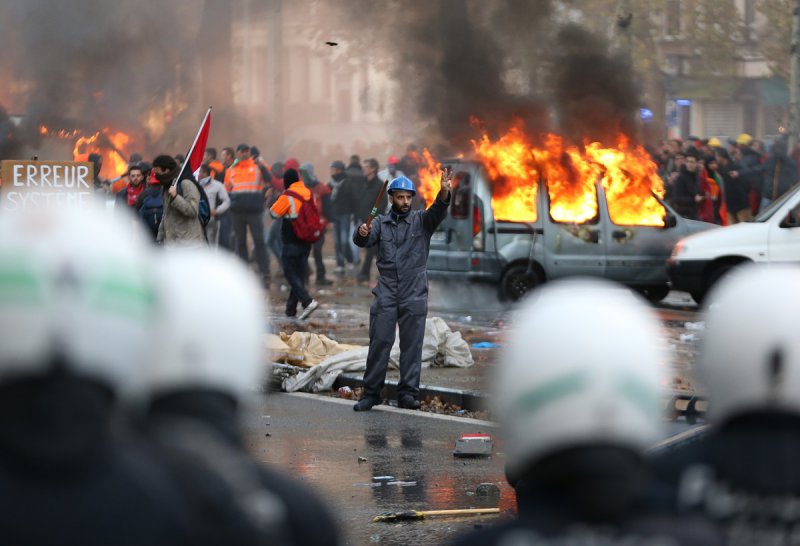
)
(87, 64)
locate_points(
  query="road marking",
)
(384, 407)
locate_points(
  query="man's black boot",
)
(408, 402)
(365, 404)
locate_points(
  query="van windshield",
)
(770, 211)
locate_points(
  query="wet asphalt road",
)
(409, 465)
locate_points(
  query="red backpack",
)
(308, 226)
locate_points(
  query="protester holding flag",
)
(180, 224)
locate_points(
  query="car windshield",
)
(769, 212)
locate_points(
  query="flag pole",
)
(196, 138)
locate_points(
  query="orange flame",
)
(510, 164)
(430, 176)
(627, 174)
(110, 145)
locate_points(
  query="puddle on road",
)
(409, 466)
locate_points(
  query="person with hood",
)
(321, 194)
(295, 252)
(195, 396)
(576, 417)
(180, 224)
(218, 200)
(78, 315)
(780, 173)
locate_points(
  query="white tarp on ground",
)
(441, 348)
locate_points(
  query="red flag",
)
(195, 156)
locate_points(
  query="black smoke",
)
(89, 64)
(595, 92)
(499, 61)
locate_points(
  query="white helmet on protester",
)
(581, 368)
(750, 353)
(76, 288)
(212, 327)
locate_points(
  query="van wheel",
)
(518, 281)
(655, 294)
(714, 277)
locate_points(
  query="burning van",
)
(539, 229)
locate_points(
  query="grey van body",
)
(472, 245)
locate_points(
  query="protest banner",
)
(43, 184)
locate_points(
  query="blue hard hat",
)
(402, 183)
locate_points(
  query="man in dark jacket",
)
(685, 194)
(341, 214)
(751, 169)
(367, 189)
(402, 238)
(736, 190)
(780, 173)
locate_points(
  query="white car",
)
(698, 261)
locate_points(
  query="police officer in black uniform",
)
(77, 311)
(403, 239)
(211, 359)
(576, 416)
(743, 472)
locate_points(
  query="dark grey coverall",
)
(401, 295)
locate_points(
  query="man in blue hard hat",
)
(402, 238)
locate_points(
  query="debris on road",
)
(485, 345)
(490, 490)
(474, 445)
(362, 459)
(415, 515)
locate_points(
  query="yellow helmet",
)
(714, 142)
(744, 139)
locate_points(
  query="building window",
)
(673, 22)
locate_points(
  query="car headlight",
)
(678, 249)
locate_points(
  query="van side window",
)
(462, 191)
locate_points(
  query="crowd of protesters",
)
(726, 183)
(243, 190)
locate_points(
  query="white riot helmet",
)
(750, 354)
(581, 368)
(211, 333)
(75, 287)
